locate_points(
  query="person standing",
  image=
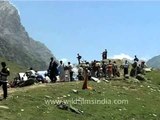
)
(136, 59)
(93, 68)
(104, 69)
(61, 71)
(136, 64)
(109, 69)
(3, 78)
(52, 70)
(79, 58)
(115, 69)
(70, 72)
(125, 68)
(104, 55)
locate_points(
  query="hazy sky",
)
(89, 27)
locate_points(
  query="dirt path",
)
(11, 90)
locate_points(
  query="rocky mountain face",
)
(15, 43)
(154, 62)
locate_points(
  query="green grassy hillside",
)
(125, 100)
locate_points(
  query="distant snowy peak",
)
(124, 57)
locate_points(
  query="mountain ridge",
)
(154, 62)
(16, 44)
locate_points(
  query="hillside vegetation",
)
(34, 103)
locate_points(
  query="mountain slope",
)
(16, 44)
(14, 68)
(154, 62)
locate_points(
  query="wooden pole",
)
(85, 86)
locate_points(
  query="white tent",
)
(23, 76)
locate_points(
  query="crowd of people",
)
(100, 69)
(64, 72)
(106, 69)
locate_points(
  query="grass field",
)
(124, 100)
